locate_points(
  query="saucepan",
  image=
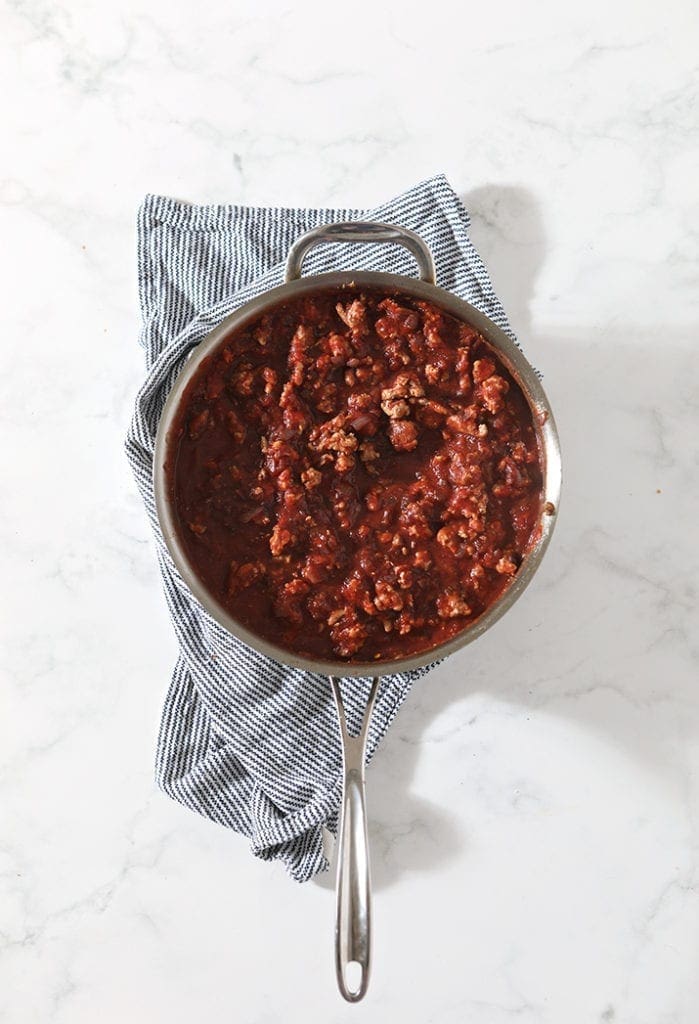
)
(353, 892)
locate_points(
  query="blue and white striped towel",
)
(244, 740)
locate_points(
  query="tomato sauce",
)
(356, 475)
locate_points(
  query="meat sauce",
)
(356, 475)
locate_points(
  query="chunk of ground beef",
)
(403, 435)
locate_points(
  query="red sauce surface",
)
(357, 476)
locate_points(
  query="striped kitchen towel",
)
(244, 740)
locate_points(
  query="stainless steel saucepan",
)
(353, 908)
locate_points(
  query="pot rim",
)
(513, 359)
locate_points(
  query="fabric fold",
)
(244, 740)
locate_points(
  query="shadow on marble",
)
(606, 636)
(406, 832)
(507, 229)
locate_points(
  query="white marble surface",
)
(535, 809)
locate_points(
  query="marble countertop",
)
(535, 808)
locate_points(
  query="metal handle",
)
(353, 887)
(360, 231)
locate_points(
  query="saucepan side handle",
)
(353, 891)
(361, 231)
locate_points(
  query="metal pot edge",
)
(516, 363)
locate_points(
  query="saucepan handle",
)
(361, 231)
(353, 890)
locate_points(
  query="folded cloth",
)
(244, 740)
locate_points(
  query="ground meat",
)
(395, 408)
(482, 369)
(235, 425)
(403, 435)
(199, 423)
(369, 454)
(357, 475)
(387, 597)
(451, 605)
(354, 315)
(243, 576)
(244, 379)
(506, 566)
(289, 600)
(348, 635)
(311, 477)
(430, 413)
(464, 421)
(405, 385)
(493, 391)
(279, 539)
